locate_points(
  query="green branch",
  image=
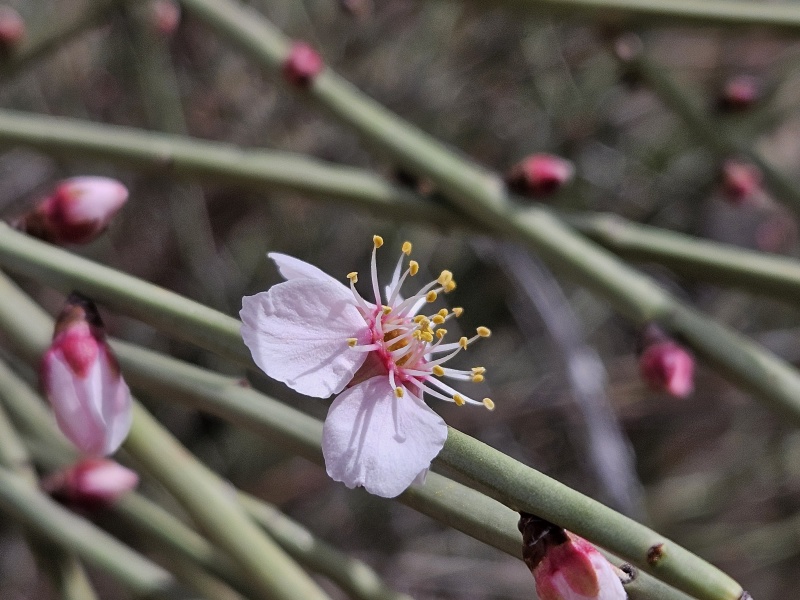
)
(447, 501)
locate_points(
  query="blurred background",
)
(716, 471)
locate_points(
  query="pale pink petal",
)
(610, 585)
(116, 408)
(297, 332)
(373, 439)
(294, 268)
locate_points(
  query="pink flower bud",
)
(82, 381)
(740, 181)
(668, 367)
(302, 65)
(565, 566)
(91, 483)
(539, 175)
(77, 212)
(165, 16)
(740, 93)
(12, 27)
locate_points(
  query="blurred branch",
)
(784, 16)
(449, 502)
(54, 32)
(180, 156)
(49, 519)
(704, 128)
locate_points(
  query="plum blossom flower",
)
(81, 378)
(321, 338)
(565, 566)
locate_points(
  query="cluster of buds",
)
(91, 483)
(302, 65)
(665, 365)
(539, 175)
(82, 381)
(565, 566)
(77, 212)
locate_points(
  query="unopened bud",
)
(740, 93)
(12, 27)
(565, 566)
(91, 483)
(77, 212)
(164, 16)
(82, 380)
(539, 175)
(668, 367)
(302, 65)
(740, 181)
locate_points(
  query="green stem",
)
(49, 519)
(214, 508)
(445, 500)
(55, 31)
(694, 258)
(709, 12)
(180, 156)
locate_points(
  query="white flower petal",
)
(297, 332)
(116, 410)
(374, 439)
(294, 268)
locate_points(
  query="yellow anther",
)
(459, 400)
(444, 277)
(419, 318)
(413, 267)
(449, 286)
(427, 336)
(438, 370)
(386, 309)
(477, 378)
(417, 334)
(352, 342)
(488, 403)
(442, 313)
(431, 296)
(377, 241)
(438, 319)
(398, 391)
(406, 248)
(353, 277)
(484, 331)
(463, 342)
(457, 311)
(479, 370)
(440, 333)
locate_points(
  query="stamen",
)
(386, 309)
(438, 371)
(431, 296)
(406, 248)
(437, 319)
(440, 333)
(444, 277)
(477, 378)
(477, 370)
(463, 342)
(484, 332)
(457, 311)
(413, 267)
(449, 286)
(488, 403)
(353, 277)
(398, 392)
(352, 342)
(377, 241)
(443, 313)
(458, 399)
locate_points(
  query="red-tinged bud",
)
(12, 27)
(81, 378)
(668, 367)
(165, 16)
(91, 483)
(302, 65)
(565, 566)
(78, 211)
(539, 175)
(740, 93)
(740, 181)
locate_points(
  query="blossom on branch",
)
(81, 378)
(321, 338)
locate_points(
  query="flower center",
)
(406, 342)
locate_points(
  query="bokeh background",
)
(717, 472)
